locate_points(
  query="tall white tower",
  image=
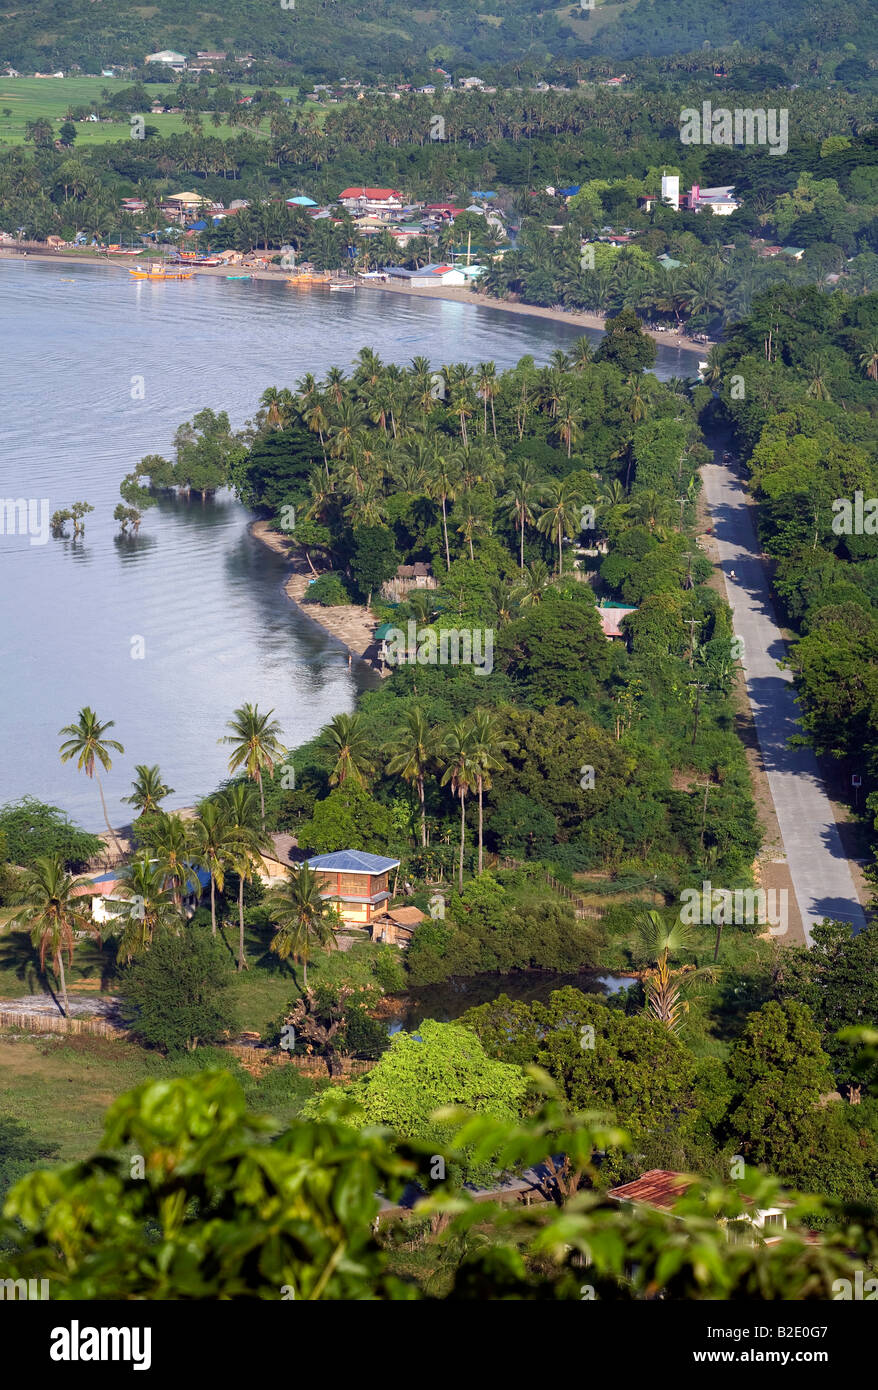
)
(671, 190)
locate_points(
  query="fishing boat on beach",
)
(342, 282)
(239, 277)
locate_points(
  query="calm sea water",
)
(194, 591)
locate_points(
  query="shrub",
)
(388, 969)
(176, 995)
(329, 590)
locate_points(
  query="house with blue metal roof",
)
(358, 884)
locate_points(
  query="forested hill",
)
(336, 38)
(777, 27)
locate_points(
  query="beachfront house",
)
(108, 900)
(429, 275)
(407, 577)
(280, 858)
(356, 883)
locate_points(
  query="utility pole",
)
(699, 686)
(692, 622)
(707, 786)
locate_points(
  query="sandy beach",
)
(352, 624)
(458, 294)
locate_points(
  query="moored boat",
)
(159, 272)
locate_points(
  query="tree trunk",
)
(462, 835)
(480, 824)
(212, 907)
(63, 984)
(261, 797)
(521, 546)
(423, 813)
(445, 534)
(107, 818)
(241, 961)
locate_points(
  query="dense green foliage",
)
(30, 829)
(175, 995)
(214, 1207)
(377, 36)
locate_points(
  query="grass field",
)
(31, 98)
(60, 1087)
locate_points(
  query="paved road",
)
(819, 868)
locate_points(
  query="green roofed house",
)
(611, 615)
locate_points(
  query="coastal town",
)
(438, 835)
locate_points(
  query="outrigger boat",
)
(160, 272)
(307, 278)
(239, 277)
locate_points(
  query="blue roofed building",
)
(358, 884)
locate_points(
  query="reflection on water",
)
(193, 591)
(448, 1001)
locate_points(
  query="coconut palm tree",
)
(868, 360)
(169, 838)
(460, 772)
(88, 744)
(148, 789)
(472, 520)
(652, 509)
(346, 736)
(534, 581)
(611, 493)
(280, 404)
(486, 744)
(213, 845)
(255, 746)
(581, 354)
(523, 491)
(411, 751)
(666, 989)
(303, 918)
(246, 842)
(50, 906)
(569, 420)
(486, 386)
(561, 516)
(152, 908)
(443, 487)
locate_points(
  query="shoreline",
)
(452, 293)
(350, 624)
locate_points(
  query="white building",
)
(168, 59)
(671, 190)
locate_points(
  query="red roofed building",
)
(661, 1190)
(370, 199)
(658, 1188)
